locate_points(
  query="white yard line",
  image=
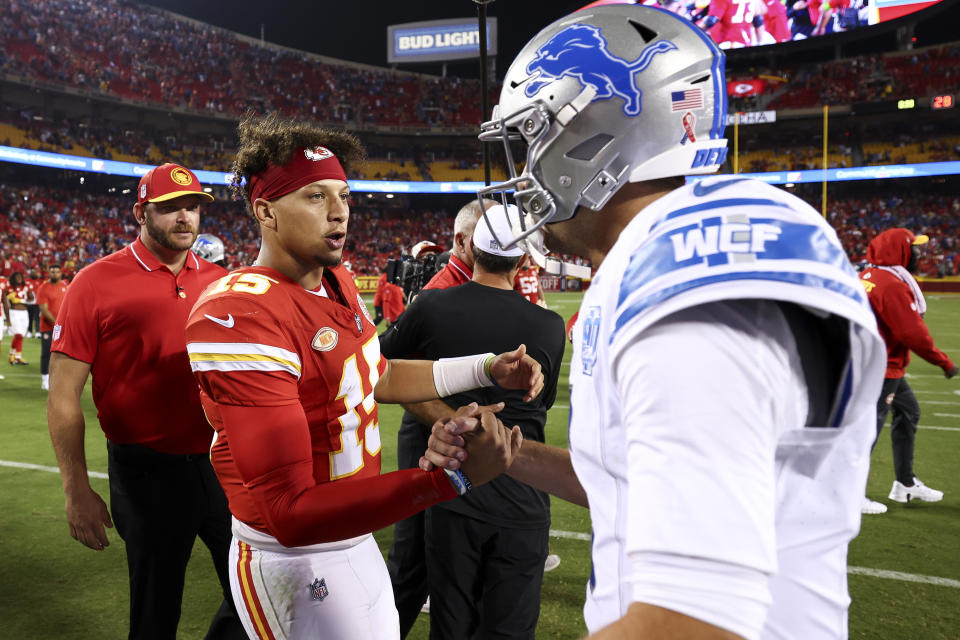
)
(40, 467)
(904, 577)
(577, 535)
(860, 571)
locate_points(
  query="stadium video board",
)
(439, 40)
(735, 24)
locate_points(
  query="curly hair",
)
(272, 139)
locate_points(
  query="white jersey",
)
(708, 493)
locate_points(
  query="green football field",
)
(905, 565)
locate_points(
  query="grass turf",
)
(53, 587)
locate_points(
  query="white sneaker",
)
(917, 491)
(552, 562)
(2, 377)
(872, 507)
(426, 606)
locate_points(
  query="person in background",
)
(210, 248)
(528, 282)
(406, 560)
(50, 298)
(485, 552)
(899, 305)
(392, 303)
(122, 322)
(17, 296)
(34, 281)
(378, 297)
(3, 312)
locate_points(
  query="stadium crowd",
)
(105, 47)
(113, 48)
(45, 225)
(870, 78)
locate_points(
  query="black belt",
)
(139, 454)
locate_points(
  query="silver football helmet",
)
(209, 247)
(605, 96)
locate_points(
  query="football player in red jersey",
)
(3, 312)
(290, 372)
(527, 282)
(733, 23)
(15, 300)
(50, 296)
(776, 27)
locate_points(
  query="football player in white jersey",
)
(726, 362)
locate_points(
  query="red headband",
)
(306, 166)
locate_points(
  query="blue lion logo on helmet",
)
(580, 51)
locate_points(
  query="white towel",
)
(907, 277)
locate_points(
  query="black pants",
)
(160, 503)
(406, 561)
(45, 352)
(33, 322)
(897, 396)
(484, 579)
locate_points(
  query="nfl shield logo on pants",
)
(318, 590)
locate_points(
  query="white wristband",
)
(456, 375)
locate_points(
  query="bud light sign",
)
(438, 40)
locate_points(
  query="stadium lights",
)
(389, 195)
(207, 190)
(125, 191)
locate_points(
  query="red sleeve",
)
(245, 358)
(79, 321)
(271, 449)
(907, 326)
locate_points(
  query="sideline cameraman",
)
(405, 561)
(492, 590)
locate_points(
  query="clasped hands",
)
(492, 446)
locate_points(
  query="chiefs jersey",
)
(257, 338)
(20, 295)
(527, 282)
(735, 21)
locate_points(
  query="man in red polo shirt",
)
(50, 298)
(122, 320)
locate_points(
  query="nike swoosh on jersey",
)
(700, 189)
(228, 323)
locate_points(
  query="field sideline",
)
(905, 568)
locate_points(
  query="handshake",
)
(492, 446)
